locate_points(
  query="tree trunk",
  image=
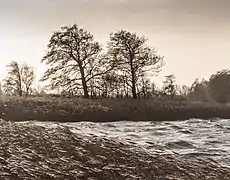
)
(85, 88)
(20, 93)
(20, 84)
(133, 81)
(134, 91)
(20, 88)
(84, 84)
(27, 92)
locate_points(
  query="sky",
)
(192, 35)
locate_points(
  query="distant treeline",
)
(79, 66)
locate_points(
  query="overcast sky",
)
(193, 35)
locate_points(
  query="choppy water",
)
(210, 138)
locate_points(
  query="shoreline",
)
(106, 110)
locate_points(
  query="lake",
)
(194, 137)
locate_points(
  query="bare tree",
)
(133, 57)
(144, 87)
(28, 77)
(73, 57)
(170, 88)
(183, 90)
(19, 79)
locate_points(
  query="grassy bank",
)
(28, 151)
(97, 110)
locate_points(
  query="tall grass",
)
(100, 110)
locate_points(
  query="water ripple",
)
(193, 137)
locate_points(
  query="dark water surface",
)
(195, 137)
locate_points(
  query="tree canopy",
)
(19, 79)
(76, 62)
(74, 59)
(134, 58)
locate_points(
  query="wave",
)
(31, 151)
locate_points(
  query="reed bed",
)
(107, 110)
